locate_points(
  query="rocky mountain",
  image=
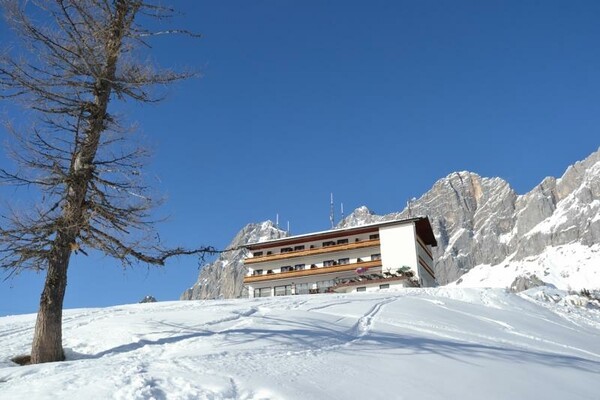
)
(482, 221)
(481, 225)
(224, 277)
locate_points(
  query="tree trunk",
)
(47, 338)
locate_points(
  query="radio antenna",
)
(331, 212)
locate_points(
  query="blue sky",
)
(373, 101)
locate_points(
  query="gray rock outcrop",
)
(524, 282)
(148, 299)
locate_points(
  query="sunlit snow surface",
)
(444, 343)
(568, 267)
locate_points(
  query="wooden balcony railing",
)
(312, 271)
(310, 252)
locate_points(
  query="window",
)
(302, 288)
(257, 272)
(384, 286)
(262, 292)
(343, 261)
(258, 254)
(296, 248)
(269, 253)
(328, 243)
(269, 271)
(313, 266)
(285, 290)
(342, 241)
(287, 268)
(322, 286)
(374, 236)
(376, 256)
(286, 249)
(328, 263)
(298, 267)
(361, 289)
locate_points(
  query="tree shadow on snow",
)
(321, 337)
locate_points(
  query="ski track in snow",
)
(365, 324)
(303, 347)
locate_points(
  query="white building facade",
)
(364, 258)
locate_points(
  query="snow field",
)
(568, 267)
(441, 343)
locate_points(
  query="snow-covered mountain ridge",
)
(484, 229)
(434, 343)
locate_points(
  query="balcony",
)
(315, 251)
(313, 271)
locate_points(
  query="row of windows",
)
(326, 263)
(285, 290)
(305, 288)
(364, 288)
(262, 292)
(324, 244)
(300, 288)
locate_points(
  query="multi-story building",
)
(363, 258)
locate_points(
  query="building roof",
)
(422, 226)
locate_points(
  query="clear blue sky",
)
(372, 100)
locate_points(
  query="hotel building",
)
(363, 258)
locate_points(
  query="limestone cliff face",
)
(475, 220)
(483, 221)
(224, 277)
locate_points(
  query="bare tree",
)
(80, 58)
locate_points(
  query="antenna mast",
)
(277, 221)
(342, 210)
(331, 215)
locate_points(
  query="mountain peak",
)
(360, 216)
(480, 224)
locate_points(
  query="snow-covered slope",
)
(569, 267)
(443, 343)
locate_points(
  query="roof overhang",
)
(422, 226)
(425, 232)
